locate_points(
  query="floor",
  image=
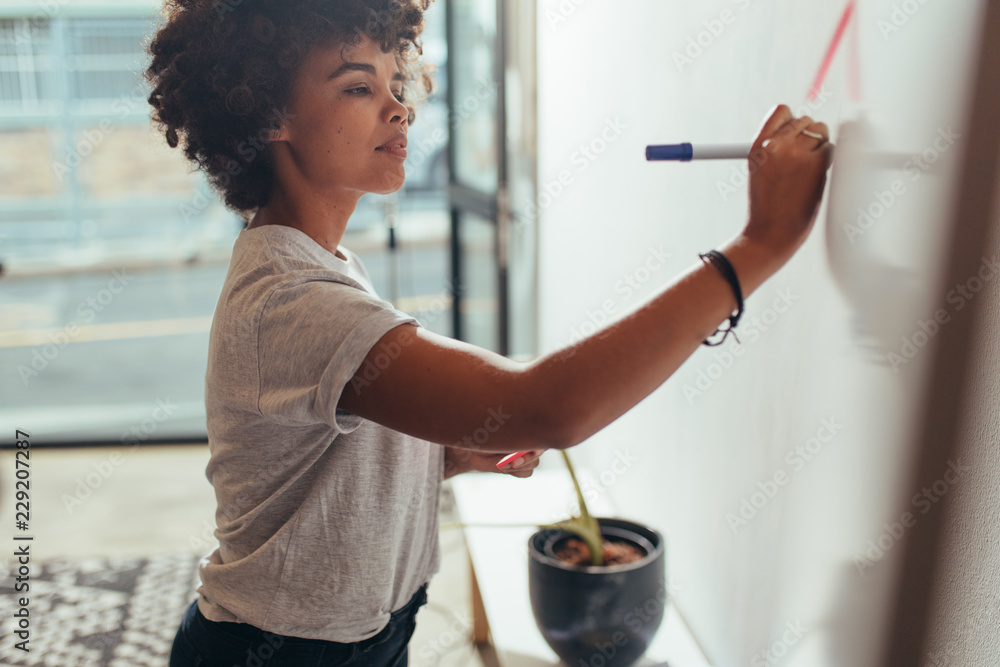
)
(136, 502)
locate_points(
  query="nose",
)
(397, 111)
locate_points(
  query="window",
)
(113, 252)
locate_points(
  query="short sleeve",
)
(313, 338)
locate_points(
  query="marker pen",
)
(510, 458)
(688, 152)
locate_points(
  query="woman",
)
(333, 417)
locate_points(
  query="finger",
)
(779, 117)
(819, 133)
(827, 151)
(511, 465)
(522, 466)
(508, 460)
(795, 127)
(530, 457)
(533, 456)
(820, 128)
(790, 131)
(524, 472)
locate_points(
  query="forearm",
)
(603, 376)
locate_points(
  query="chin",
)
(393, 185)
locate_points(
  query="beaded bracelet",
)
(719, 261)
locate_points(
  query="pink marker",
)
(510, 458)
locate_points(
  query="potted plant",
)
(597, 586)
(593, 608)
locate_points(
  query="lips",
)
(395, 146)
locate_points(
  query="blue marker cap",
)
(682, 152)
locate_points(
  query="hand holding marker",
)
(688, 152)
(510, 458)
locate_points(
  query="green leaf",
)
(586, 526)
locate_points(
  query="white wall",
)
(608, 68)
(967, 619)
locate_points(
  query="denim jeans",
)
(203, 643)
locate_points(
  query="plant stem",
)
(585, 526)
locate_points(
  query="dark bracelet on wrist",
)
(720, 262)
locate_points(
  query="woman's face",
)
(345, 105)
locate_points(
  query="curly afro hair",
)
(222, 72)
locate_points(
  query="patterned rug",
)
(100, 613)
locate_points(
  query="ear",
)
(278, 126)
(279, 134)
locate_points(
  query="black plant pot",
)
(598, 616)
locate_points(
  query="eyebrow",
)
(360, 67)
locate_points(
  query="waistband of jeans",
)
(419, 598)
(248, 631)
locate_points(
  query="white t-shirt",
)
(327, 522)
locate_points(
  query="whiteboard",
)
(777, 469)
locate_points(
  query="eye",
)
(363, 90)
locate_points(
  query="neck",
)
(322, 218)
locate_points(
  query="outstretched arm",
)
(456, 394)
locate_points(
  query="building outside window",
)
(113, 250)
